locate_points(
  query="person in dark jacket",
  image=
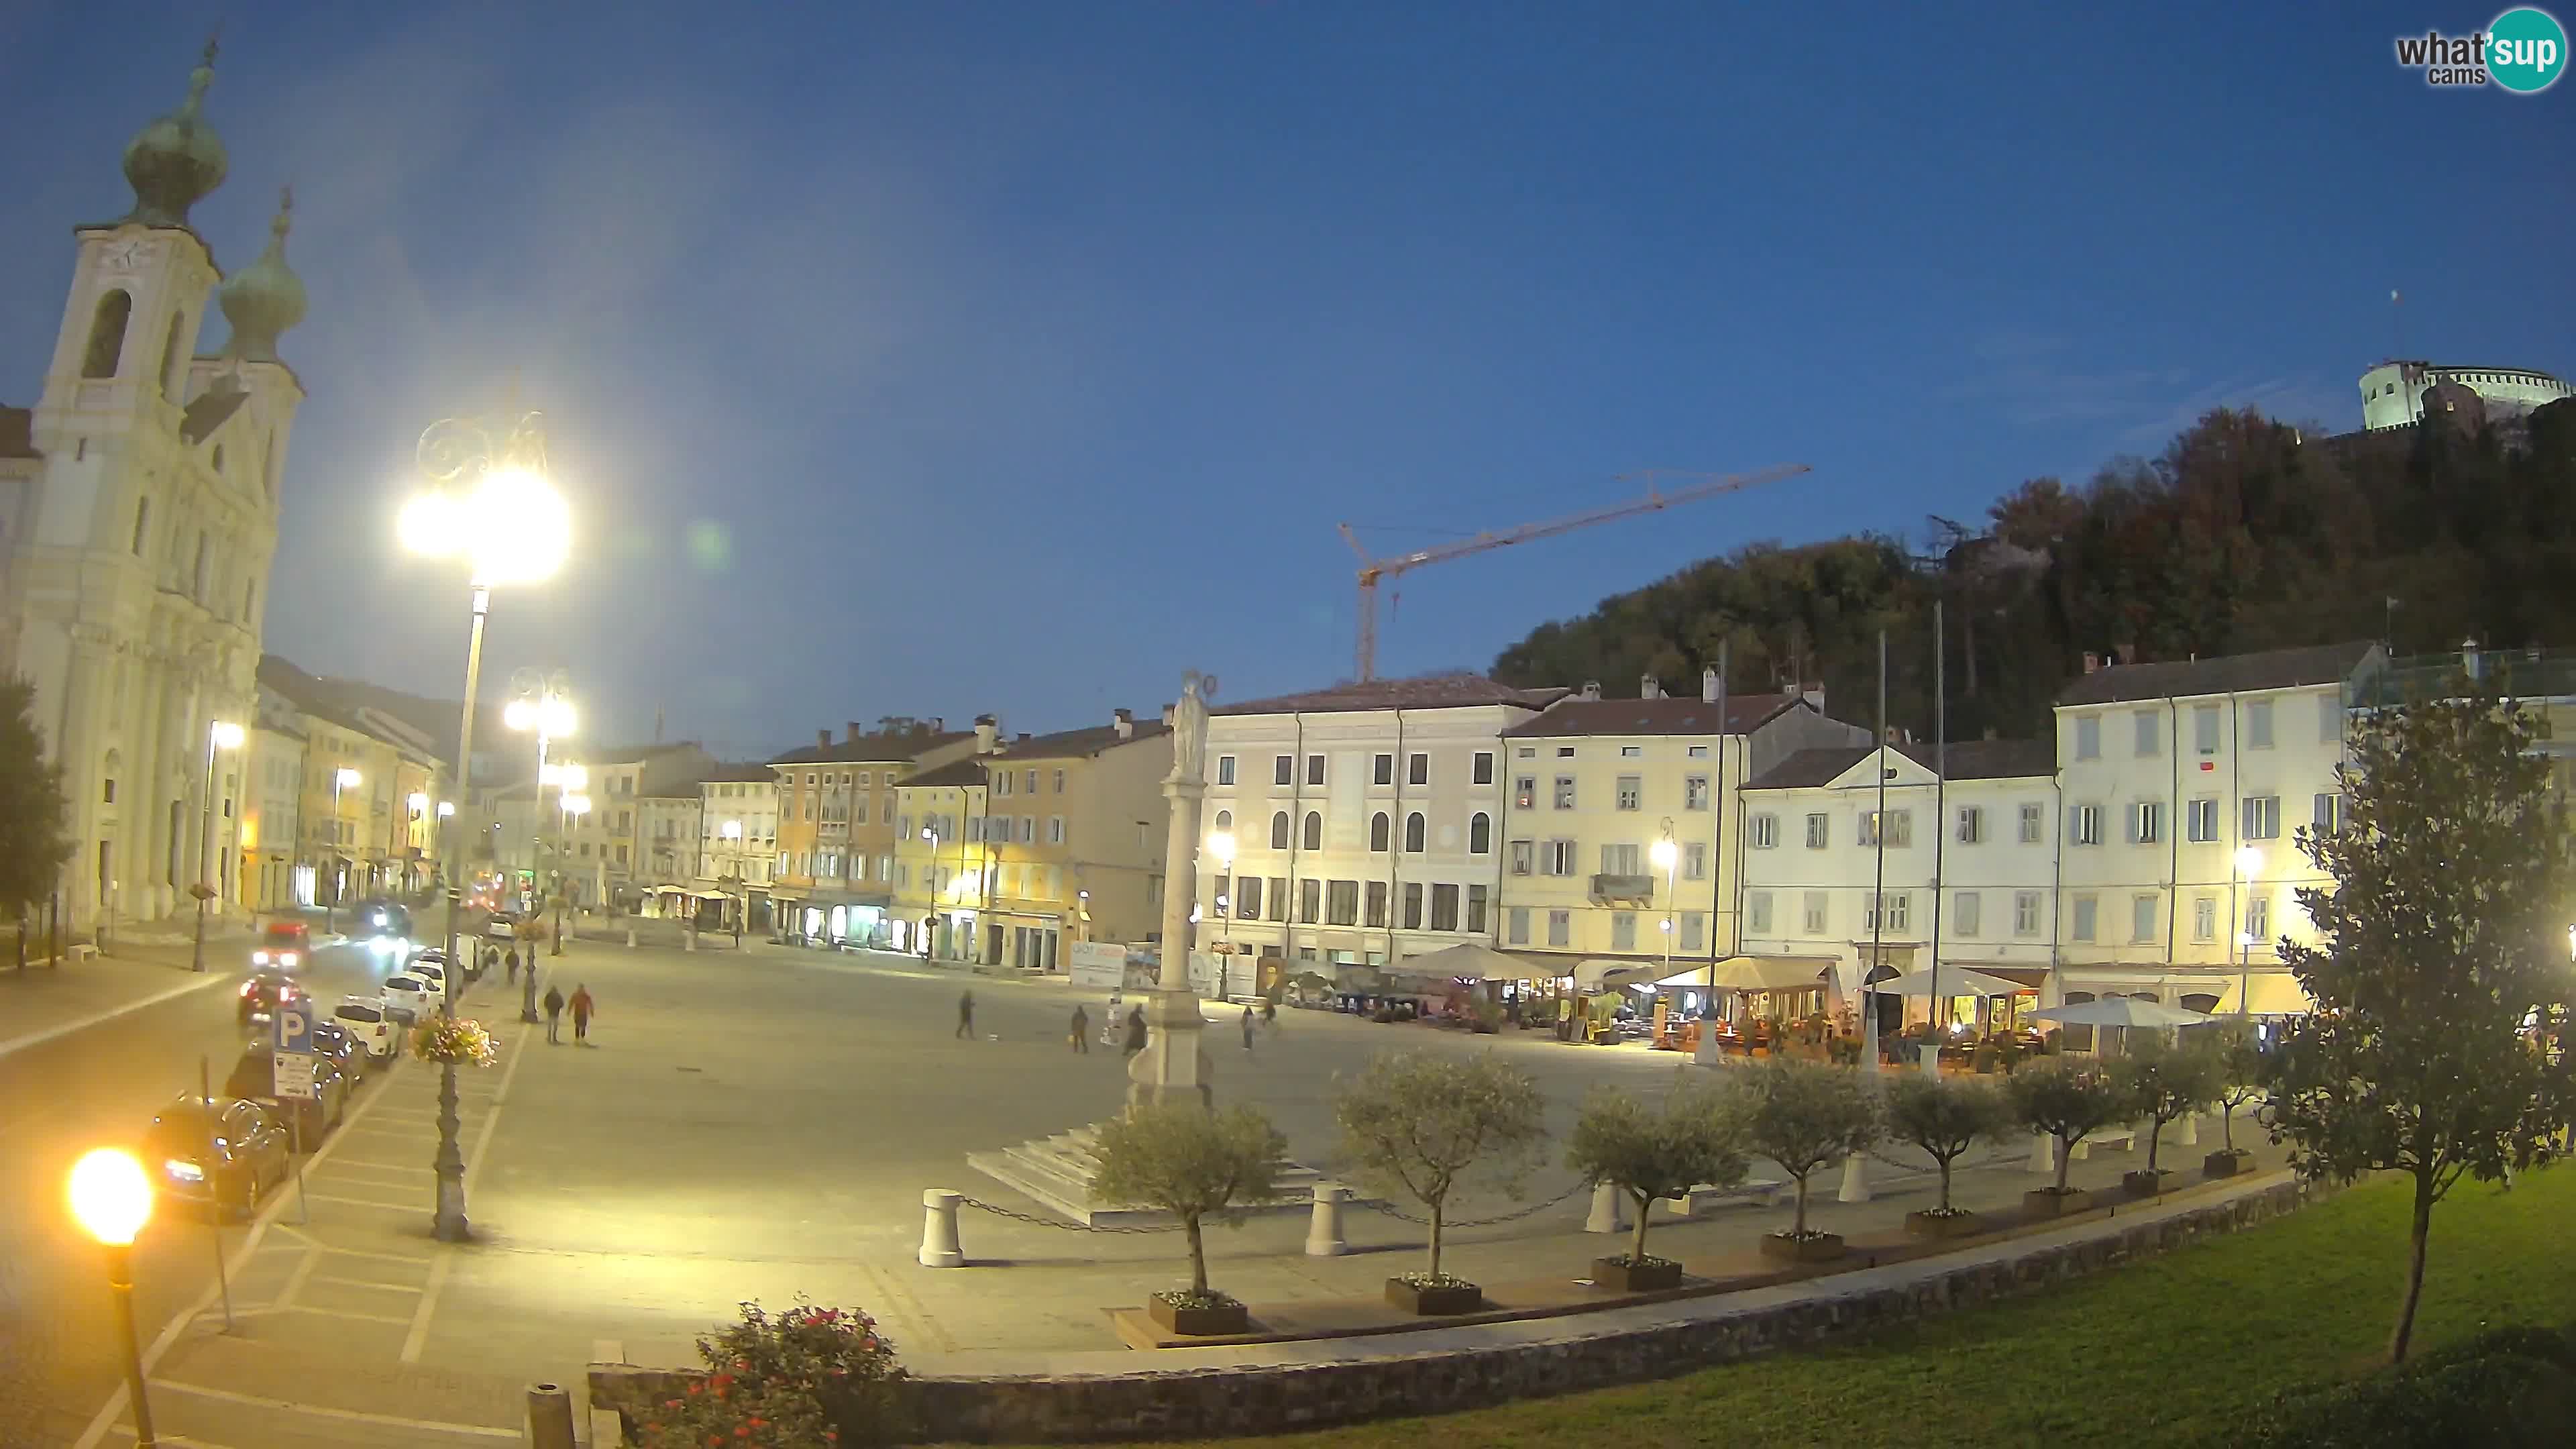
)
(554, 1005)
(966, 1016)
(582, 1006)
(1081, 1030)
(1135, 1031)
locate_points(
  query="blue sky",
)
(945, 358)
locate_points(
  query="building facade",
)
(1073, 841)
(604, 867)
(1594, 785)
(1961, 869)
(940, 882)
(2393, 393)
(276, 874)
(1365, 819)
(836, 804)
(737, 845)
(140, 505)
(2184, 786)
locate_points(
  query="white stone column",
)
(939, 1245)
(2190, 1135)
(1174, 1066)
(1855, 1186)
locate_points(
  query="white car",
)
(431, 972)
(408, 998)
(363, 1017)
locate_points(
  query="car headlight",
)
(182, 1170)
(287, 959)
(259, 958)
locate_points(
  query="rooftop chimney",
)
(1650, 688)
(1021, 738)
(1591, 689)
(1124, 722)
(2092, 661)
(1814, 694)
(822, 739)
(1708, 685)
(855, 731)
(2469, 655)
(939, 724)
(987, 733)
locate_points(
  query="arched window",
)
(142, 524)
(1480, 833)
(1413, 833)
(219, 458)
(171, 359)
(1378, 831)
(107, 334)
(1279, 831)
(1225, 820)
(1314, 830)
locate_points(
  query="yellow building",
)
(833, 878)
(939, 866)
(1074, 837)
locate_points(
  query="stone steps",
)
(1056, 1173)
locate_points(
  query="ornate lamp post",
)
(220, 735)
(733, 876)
(112, 1200)
(541, 702)
(1220, 844)
(490, 502)
(342, 778)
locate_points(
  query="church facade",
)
(140, 500)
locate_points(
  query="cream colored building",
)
(1073, 839)
(139, 499)
(1367, 819)
(738, 842)
(276, 875)
(2183, 789)
(1595, 784)
(940, 881)
(1967, 876)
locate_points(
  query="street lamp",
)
(112, 1200)
(342, 778)
(2248, 862)
(220, 735)
(732, 834)
(491, 503)
(541, 702)
(1221, 845)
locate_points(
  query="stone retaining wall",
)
(1220, 1401)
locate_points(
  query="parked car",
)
(408, 998)
(265, 992)
(341, 1047)
(254, 1079)
(434, 973)
(365, 1018)
(221, 1151)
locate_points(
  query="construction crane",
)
(1374, 571)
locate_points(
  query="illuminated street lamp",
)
(542, 702)
(2248, 862)
(732, 833)
(1221, 845)
(111, 1199)
(342, 778)
(220, 735)
(491, 503)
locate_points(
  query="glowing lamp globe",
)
(111, 1198)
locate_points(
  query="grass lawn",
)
(2169, 1351)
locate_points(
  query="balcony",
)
(1638, 888)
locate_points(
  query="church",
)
(138, 517)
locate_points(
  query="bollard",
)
(630, 938)
(2081, 1151)
(1855, 1186)
(691, 943)
(2190, 1130)
(1607, 1214)
(939, 1247)
(550, 1417)
(1324, 1229)
(2043, 1153)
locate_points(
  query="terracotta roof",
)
(18, 433)
(1082, 743)
(2224, 674)
(1968, 760)
(870, 749)
(968, 771)
(1692, 716)
(1438, 691)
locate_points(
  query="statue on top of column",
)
(1189, 727)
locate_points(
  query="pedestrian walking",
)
(512, 961)
(554, 1004)
(1135, 1031)
(1247, 1028)
(966, 1016)
(1081, 1030)
(582, 1006)
(1269, 1015)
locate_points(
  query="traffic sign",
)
(294, 1029)
(293, 1072)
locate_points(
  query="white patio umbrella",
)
(1476, 963)
(2121, 1011)
(1954, 981)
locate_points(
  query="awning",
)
(1471, 962)
(1752, 973)
(1950, 982)
(1614, 973)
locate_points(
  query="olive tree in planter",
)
(1195, 1165)
(1945, 1116)
(1804, 1116)
(2239, 1065)
(1650, 1152)
(2068, 1099)
(1421, 1122)
(2163, 1082)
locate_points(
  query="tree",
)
(33, 841)
(2444, 934)
(1945, 1116)
(1804, 1116)
(2164, 1082)
(1420, 1122)
(1191, 1163)
(2068, 1100)
(1656, 1152)
(2241, 1068)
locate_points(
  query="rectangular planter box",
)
(1223, 1318)
(2142, 1183)
(1821, 1248)
(1431, 1302)
(2223, 1163)
(1930, 1225)
(2042, 1203)
(1623, 1278)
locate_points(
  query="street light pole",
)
(112, 1200)
(1221, 845)
(340, 778)
(220, 735)
(2248, 861)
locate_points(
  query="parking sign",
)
(293, 1073)
(294, 1029)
